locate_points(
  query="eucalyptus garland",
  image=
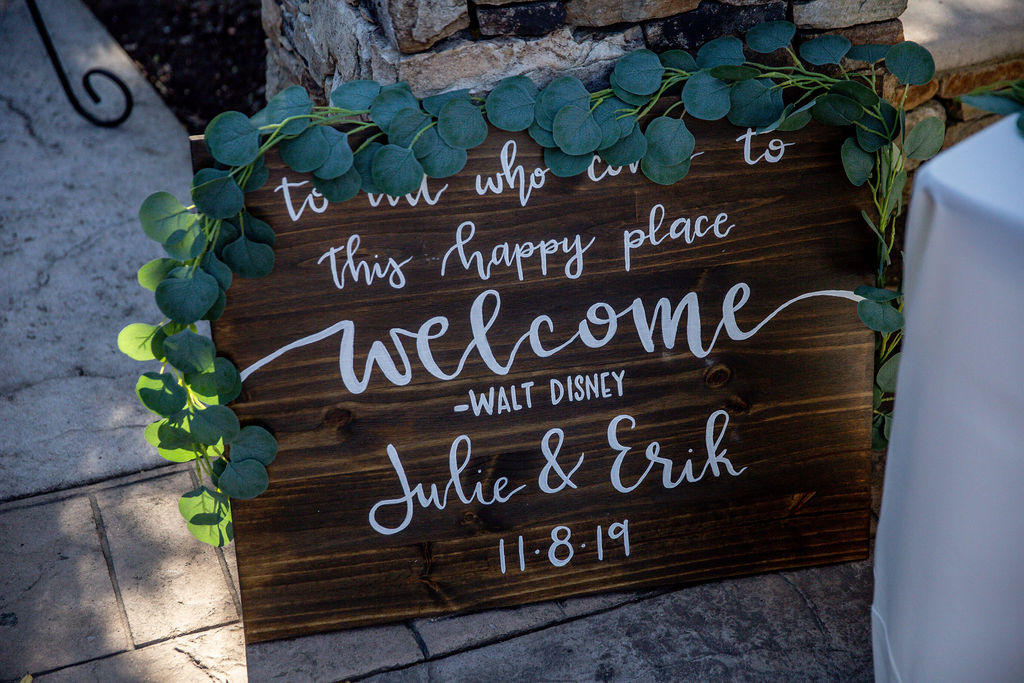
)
(382, 139)
(1005, 97)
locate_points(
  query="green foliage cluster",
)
(1006, 98)
(382, 139)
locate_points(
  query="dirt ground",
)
(202, 56)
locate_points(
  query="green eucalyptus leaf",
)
(177, 454)
(162, 215)
(857, 163)
(628, 150)
(625, 95)
(610, 118)
(216, 194)
(339, 189)
(869, 53)
(254, 443)
(208, 515)
(215, 267)
(258, 177)
(232, 139)
(406, 125)
(566, 165)
(886, 377)
(136, 341)
(152, 432)
(880, 131)
(355, 95)
(706, 97)
(362, 161)
(259, 119)
(925, 139)
(559, 92)
(795, 121)
(173, 434)
(249, 258)
(837, 110)
(190, 352)
(216, 310)
(729, 72)
(541, 136)
(669, 142)
(856, 91)
(228, 233)
(243, 479)
(724, 50)
(339, 155)
(461, 125)
(755, 103)
(876, 294)
(826, 49)
(219, 386)
(160, 393)
(664, 174)
(896, 193)
(396, 171)
(185, 245)
(154, 272)
(1002, 104)
(575, 131)
(639, 72)
(185, 299)
(879, 442)
(770, 36)
(510, 106)
(388, 102)
(435, 103)
(910, 63)
(679, 60)
(214, 423)
(291, 102)
(257, 230)
(305, 152)
(879, 317)
(443, 161)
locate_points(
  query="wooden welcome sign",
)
(512, 387)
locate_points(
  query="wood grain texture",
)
(797, 394)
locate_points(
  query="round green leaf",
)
(724, 50)
(770, 36)
(541, 136)
(152, 431)
(435, 103)
(215, 267)
(160, 393)
(669, 142)
(610, 117)
(880, 131)
(249, 258)
(396, 171)
(219, 386)
(190, 352)
(232, 139)
(996, 103)
(910, 63)
(876, 294)
(706, 97)
(306, 152)
(755, 103)
(339, 155)
(565, 165)
(257, 178)
(443, 161)
(243, 479)
(857, 163)
(836, 110)
(678, 59)
(795, 121)
(154, 272)
(510, 106)
(625, 95)
(255, 229)
(559, 92)
(665, 174)
(208, 515)
(639, 72)
(575, 131)
(628, 150)
(213, 423)
(185, 245)
(729, 72)
(228, 233)
(388, 102)
(925, 139)
(406, 125)
(856, 91)
(216, 193)
(461, 124)
(291, 102)
(217, 309)
(879, 317)
(362, 161)
(185, 299)
(355, 95)
(136, 341)
(162, 215)
(254, 443)
(886, 377)
(870, 53)
(339, 189)
(826, 49)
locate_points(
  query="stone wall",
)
(439, 45)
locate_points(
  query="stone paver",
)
(57, 604)
(69, 249)
(170, 583)
(214, 655)
(443, 635)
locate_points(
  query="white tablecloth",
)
(949, 554)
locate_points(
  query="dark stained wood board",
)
(797, 393)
